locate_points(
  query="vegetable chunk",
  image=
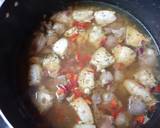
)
(96, 35)
(124, 55)
(35, 74)
(102, 59)
(106, 77)
(43, 99)
(134, 37)
(145, 77)
(83, 15)
(136, 105)
(135, 89)
(84, 126)
(105, 17)
(51, 63)
(60, 47)
(86, 80)
(59, 28)
(83, 111)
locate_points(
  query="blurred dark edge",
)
(16, 32)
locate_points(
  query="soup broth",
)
(94, 67)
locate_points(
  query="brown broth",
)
(61, 114)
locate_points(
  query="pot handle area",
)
(4, 123)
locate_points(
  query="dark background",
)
(16, 31)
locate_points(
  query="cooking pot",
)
(18, 20)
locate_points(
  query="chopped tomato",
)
(72, 76)
(140, 119)
(73, 38)
(82, 59)
(77, 93)
(117, 112)
(81, 25)
(72, 81)
(59, 91)
(113, 104)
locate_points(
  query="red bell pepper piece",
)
(72, 81)
(73, 38)
(77, 92)
(113, 104)
(81, 25)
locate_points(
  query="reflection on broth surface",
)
(93, 67)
